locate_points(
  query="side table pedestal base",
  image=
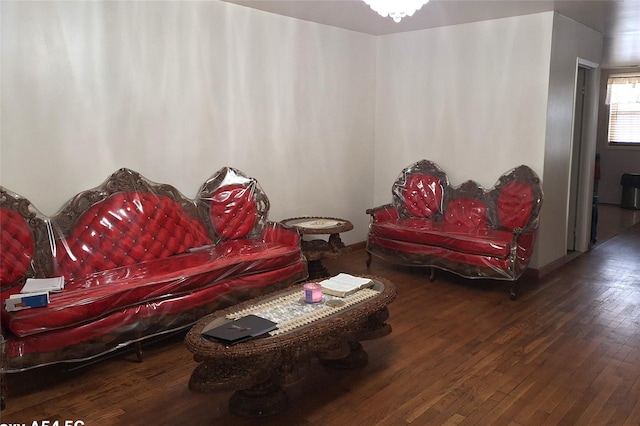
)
(357, 358)
(264, 399)
(317, 270)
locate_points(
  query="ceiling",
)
(617, 20)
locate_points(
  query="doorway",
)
(576, 151)
(582, 158)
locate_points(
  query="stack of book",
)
(34, 293)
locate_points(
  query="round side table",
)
(317, 249)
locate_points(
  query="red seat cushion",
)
(91, 297)
(173, 312)
(405, 250)
(483, 241)
(16, 245)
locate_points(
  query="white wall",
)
(471, 97)
(177, 90)
(571, 41)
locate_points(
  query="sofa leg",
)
(138, 349)
(368, 260)
(3, 390)
(3, 375)
(512, 292)
(432, 276)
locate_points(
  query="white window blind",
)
(623, 97)
(624, 123)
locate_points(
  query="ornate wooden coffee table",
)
(318, 249)
(257, 369)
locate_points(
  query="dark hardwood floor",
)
(613, 219)
(567, 352)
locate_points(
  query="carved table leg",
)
(263, 399)
(315, 251)
(357, 358)
(316, 270)
(335, 243)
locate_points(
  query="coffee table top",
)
(333, 320)
(319, 225)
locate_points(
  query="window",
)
(623, 97)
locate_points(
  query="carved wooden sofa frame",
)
(468, 230)
(140, 260)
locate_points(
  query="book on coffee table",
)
(241, 329)
(343, 285)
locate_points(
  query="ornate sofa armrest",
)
(278, 233)
(383, 213)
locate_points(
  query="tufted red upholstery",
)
(140, 260)
(16, 245)
(233, 211)
(422, 195)
(468, 230)
(125, 229)
(515, 203)
(466, 212)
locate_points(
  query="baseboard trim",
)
(358, 246)
(551, 266)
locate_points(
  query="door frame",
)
(587, 146)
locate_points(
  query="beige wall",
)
(325, 118)
(470, 97)
(176, 90)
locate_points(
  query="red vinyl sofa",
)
(139, 260)
(467, 230)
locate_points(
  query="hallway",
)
(613, 219)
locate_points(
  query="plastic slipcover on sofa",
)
(467, 230)
(139, 260)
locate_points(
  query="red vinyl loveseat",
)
(467, 230)
(139, 260)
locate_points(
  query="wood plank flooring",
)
(567, 352)
(613, 219)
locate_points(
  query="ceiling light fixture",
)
(397, 9)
